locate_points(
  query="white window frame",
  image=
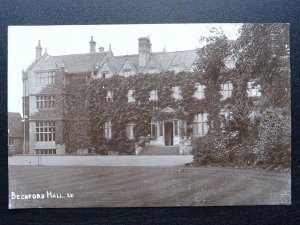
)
(153, 128)
(127, 72)
(176, 92)
(253, 90)
(109, 96)
(45, 77)
(226, 90)
(130, 131)
(176, 126)
(130, 96)
(153, 95)
(199, 93)
(45, 101)
(200, 126)
(45, 131)
(107, 130)
(152, 70)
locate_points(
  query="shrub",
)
(209, 151)
(273, 146)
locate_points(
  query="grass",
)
(147, 186)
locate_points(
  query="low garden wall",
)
(120, 160)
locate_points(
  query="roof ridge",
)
(174, 51)
(119, 56)
(80, 54)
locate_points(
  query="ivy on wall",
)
(140, 112)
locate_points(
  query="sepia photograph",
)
(149, 115)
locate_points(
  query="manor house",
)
(50, 126)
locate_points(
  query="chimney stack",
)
(144, 51)
(92, 45)
(38, 50)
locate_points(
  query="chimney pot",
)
(92, 45)
(38, 50)
(144, 50)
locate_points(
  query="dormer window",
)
(127, 72)
(153, 95)
(130, 96)
(176, 68)
(253, 89)
(226, 90)
(199, 94)
(176, 93)
(109, 96)
(104, 74)
(152, 70)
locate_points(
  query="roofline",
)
(82, 54)
(119, 56)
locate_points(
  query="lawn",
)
(145, 186)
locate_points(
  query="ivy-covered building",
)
(99, 101)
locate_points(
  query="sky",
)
(63, 40)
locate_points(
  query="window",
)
(176, 93)
(226, 90)
(152, 70)
(130, 131)
(199, 94)
(107, 129)
(109, 96)
(176, 127)
(46, 151)
(130, 96)
(161, 128)
(175, 68)
(200, 126)
(45, 101)
(104, 74)
(153, 95)
(127, 72)
(253, 89)
(45, 131)
(45, 78)
(153, 128)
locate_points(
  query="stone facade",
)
(52, 110)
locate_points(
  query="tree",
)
(262, 53)
(211, 66)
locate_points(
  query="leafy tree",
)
(211, 66)
(262, 53)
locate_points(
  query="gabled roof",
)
(128, 65)
(15, 126)
(81, 62)
(74, 63)
(153, 64)
(78, 63)
(165, 59)
(118, 61)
